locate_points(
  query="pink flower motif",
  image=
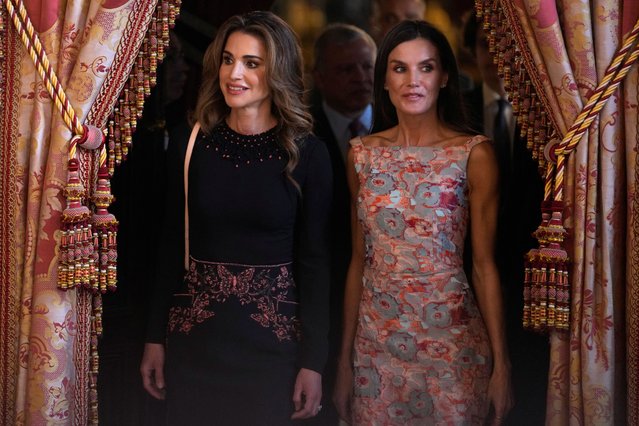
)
(448, 200)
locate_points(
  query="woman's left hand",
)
(307, 394)
(500, 394)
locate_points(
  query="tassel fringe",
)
(76, 265)
(546, 289)
(104, 236)
(546, 285)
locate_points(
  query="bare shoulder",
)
(482, 162)
(481, 148)
(383, 138)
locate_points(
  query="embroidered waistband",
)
(266, 293)
(243, 265)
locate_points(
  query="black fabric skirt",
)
(232, 346)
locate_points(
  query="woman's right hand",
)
(343, 393)
(152, 369)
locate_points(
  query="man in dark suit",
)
(521, 193)
(343, 76)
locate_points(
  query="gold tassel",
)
(74, 266)
(546, 291)
(105, 235)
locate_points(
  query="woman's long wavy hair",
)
(284, 76)
(450, 109)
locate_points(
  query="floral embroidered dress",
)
(421, 353)
(253, 307)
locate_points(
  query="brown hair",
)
(284, 75)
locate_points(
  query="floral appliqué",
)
(269, 290)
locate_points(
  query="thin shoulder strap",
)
(187, 161)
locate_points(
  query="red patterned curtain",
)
(554, 55)
(104, 54)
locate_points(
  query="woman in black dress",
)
(245, 334)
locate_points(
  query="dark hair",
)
(450, 109)
(284, 75)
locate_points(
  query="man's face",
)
(391, 12)
(345, 79)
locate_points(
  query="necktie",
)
(356, 128)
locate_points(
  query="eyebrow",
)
(226, 52)
(421, 62)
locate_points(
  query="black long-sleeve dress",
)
(253, 307)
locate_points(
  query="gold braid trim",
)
(11, 56)
(632, 279)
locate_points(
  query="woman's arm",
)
(312, 261)
(169, 268)
(313, 270)
(352, 296)
(483, 180)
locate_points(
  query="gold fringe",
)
(546, 291)
(104, 237)
(75, 266)
(143, 77)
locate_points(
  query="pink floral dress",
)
(421, 353)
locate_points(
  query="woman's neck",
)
(250, 122)
(422, 130)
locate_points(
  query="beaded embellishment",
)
(244, 149)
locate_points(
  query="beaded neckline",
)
(242, 149)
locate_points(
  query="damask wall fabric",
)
(566, 47)
(44, 337)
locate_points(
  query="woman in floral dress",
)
(418, 349)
